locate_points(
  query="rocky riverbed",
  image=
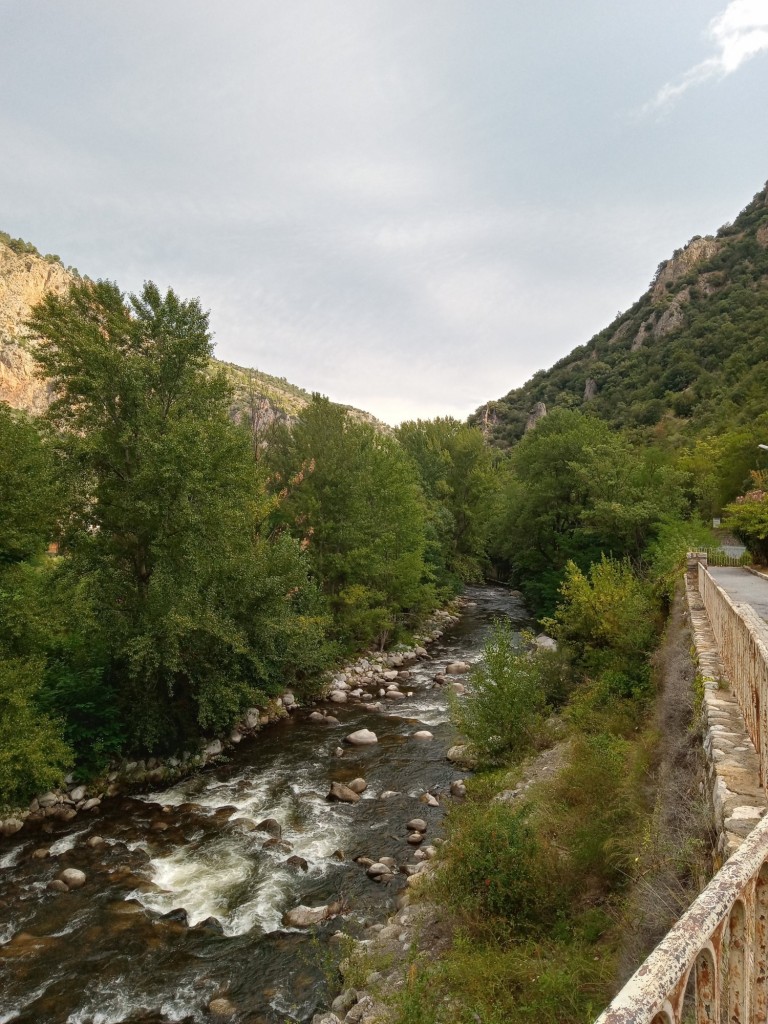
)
(214, 896)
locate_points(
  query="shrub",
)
(495, 865)
(33, 756)
(503, 714)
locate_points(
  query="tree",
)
(30, 496)
(165, 511)
(456, 469)
(578, 490)
(350, 494)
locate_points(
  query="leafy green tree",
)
(457, 473)
(30, 495)
(33, 754)
(165, 511)
(578, 490)
(351, 495)
(747, 518)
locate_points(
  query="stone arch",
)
(707, 986)
(737, 964)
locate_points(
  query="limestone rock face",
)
(24, 281)
(697, 251)
(538, 412)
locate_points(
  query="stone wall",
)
(733, 766)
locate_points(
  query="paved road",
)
(744, 587)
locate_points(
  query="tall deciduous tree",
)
(166, 507)
(352, 496)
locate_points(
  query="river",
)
(106, 954)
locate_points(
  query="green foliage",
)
(503, 714)
(578, 490)
(33, 755)
(608, 614)
(457, 473)
(748, 520)
(350, 495)
(530, 982)
(196, 612)
(30, 496)
(495, 864)
(665, 557)
(593, 810)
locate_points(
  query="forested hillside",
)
(687, 360)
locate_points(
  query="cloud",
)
(739, 33)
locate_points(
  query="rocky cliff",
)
(691, 355)
(25, 277)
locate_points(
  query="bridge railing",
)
(742, 641)
(713, 965)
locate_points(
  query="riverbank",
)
(545, 895)
(375, 670)
(187, 894)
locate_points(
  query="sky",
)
(410, 207)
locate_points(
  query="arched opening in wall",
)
(737, 985)
(700, 1003)
(760, 962)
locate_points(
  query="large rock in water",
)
(342, 793)
(458, 668)
(361, 738)
(305, 917)
(73, 878)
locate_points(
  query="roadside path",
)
(743, 587)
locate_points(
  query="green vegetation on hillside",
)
(685, 366)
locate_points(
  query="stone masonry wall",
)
(733, 769)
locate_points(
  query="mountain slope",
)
(26, 276)
(690, 356)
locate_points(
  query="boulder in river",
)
(358, 785)
(388, 794)
(361, 738)
(415, 838)
(429, 800)
(458, 668)
(222, 1008)
(176, 916)
(338, 697)
(423, 734)
(305, 917)
(459, 789)
(316, 716)
(417, 825)
(376, 871)
(281, 845)
(10, 826)
(210, 924)
(57, 886)
(545, 643)
(73, 878)
(342, 793)
(460, 754)
(271, 826)
(297, 863)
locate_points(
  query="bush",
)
(608, 616)
(503, 714)
(33, 756)
(495, 865)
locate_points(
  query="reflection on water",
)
(105, 954)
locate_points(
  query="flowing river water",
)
(106, 954)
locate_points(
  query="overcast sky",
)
(409, 206)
